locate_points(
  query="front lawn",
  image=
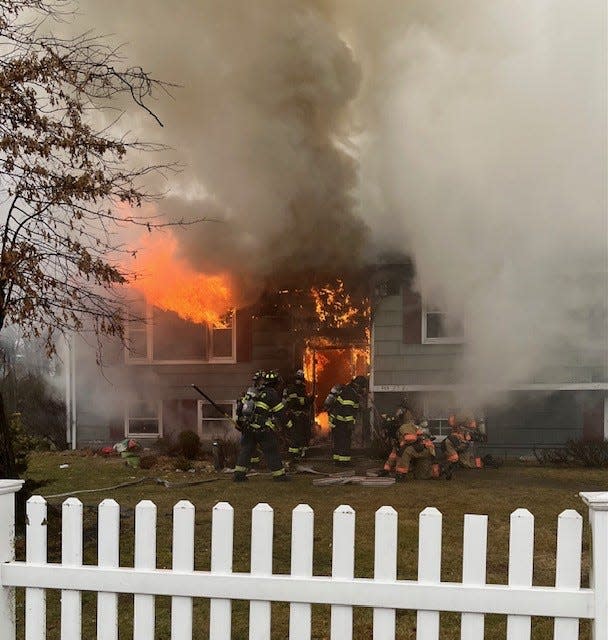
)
(544, 491)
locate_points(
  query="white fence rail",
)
(567, 602)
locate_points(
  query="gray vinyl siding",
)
(102, 396)
(396, 363)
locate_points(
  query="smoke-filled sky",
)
(470, 134)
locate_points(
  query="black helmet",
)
(258, 375)
(271, 377)
(360, 382)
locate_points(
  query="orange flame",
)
(335, 307)
(322, 422)
(170, 283)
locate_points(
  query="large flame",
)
(170, 283)
(335, 306)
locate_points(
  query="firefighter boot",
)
(401, 477)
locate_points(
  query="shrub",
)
(588, 454)
(189, 444)
(181, 463)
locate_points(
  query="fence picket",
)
(385, 567)
(302, 533)
(343, 566)
(568, 567)
(71, 555)
(474, 570)
(108, 555)
(145, 558)
(35, 599)
(220, 610)
(429, 568)
(261, 565)
(183, 560)
(521, 559)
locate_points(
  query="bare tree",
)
(65, 171)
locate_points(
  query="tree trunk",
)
(7, 454)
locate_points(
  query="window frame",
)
(135, 434)
(441, 340)
(149, 358)
(199, 415)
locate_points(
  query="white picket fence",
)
(518, 600)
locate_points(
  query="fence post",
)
(8, 488)
(597, 501)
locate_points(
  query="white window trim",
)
(446, 340)
(130, 434)
(149, 359)
(199, 413)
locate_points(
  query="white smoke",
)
(483, 155)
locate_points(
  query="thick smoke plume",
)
(259, 122)
(483, 155)
(468, 134)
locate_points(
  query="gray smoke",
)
(259, 123)
(470, 135)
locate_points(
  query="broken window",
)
(155, 335)
(221, 339)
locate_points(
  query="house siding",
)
(101, 396)
(523, 420)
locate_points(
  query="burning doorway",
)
(327, 364)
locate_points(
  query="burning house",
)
(144, 390)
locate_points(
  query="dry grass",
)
(544, 491)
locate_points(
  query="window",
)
(222, 339)
(438, 407)
(212, 423)
(157, 336)
(441, 327)
(144, 419)
(137, 338)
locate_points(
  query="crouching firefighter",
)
(298, 405)
(261, 417)
(342, 405)
(413, 444)
(456, 446)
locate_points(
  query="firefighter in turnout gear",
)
(266, 414)
(244, 408)
(298, 405)
(414, 444)
(455, 446)
(342, 405)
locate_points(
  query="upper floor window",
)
(157, 336)
(438, 326)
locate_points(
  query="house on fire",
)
(415, 351)
(143, 391)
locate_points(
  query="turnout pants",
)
(341, 434)
(267, 441)
(299, 434)
(464, 454)
(403, 461)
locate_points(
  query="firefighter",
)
(262, 416)
(298, 406)
(342, 405)
(455, 446)
(244, 400)
(414, 444)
